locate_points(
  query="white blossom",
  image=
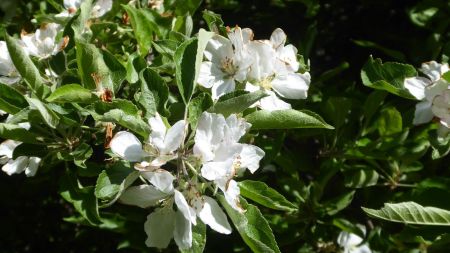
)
(216, 143)
(162, 143)
(227, 62)
(100, 8)
(43, 42)
(8, 72)
(430, 91)
(165, 223)
(20, 164)
(351, 243)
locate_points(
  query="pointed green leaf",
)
(238, 103)
(11, 101)
(411, 213)
(285, 119)
(264, 195)
(17, 133)
(154, 93)
(185, 58)
(144, 27)
(82, 198)
(389, 76)
(252, 226)
(25, 66)
(71, 93)
(49, 117)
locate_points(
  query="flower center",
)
(228, 67)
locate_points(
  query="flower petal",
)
(250, 157)
(159, 228)
(33, 164)
(142, 196)
(434, 70)
(208, 135)
(212, 215)
(184, 207)
(231, 192)
(174, 137)
(226, 85)
(273, 103)
(235, 128)
(423, 113)
(416, 86)
(278, 38)
(7, 148)
(161, 179)
(127, 146)
(158, 131)
(217, 170)
(292, 85)
(15, 166)
(183, 231)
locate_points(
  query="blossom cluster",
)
(267, 65)
(434, 95)
(213, 162)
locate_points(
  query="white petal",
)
(184, 207)
(183, 231)
(416, 86)
(288, 58)
(142, 196)
(127, 146)
(217, 170)
(174, 137)
(231, 192)
(159, 228)
(7, 148)
(219, 89)
(207, 76)
(423, 113)
(15, 166)
(218, 49)
(434, 70)
(435, 89)
(158, 131)
(212, 215)
(250, 157)
(278, 38)
(161, 179)
(235, 128)
(272, 103)
(33, 164)
(208, 135)
(264, 56)
(292, 85)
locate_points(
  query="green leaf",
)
(82, 198)
(285, 119)
(238, 103)
(184, 7)
(198, 238)
(197, 106)
(144, 27)
(49, 117)
(154, 93)
(389, 76)
(338, 203)
(27, 149)
(165, 47)
(252, 226)
(337, 110)
(25, 66)
(188, 59)
(264, 195)
(11, 101)
(185, 57)
(127, 120)
(389, 122)
(113, 181)
(134, 66)
(71, 93)
(17, 133)
(360, 178)
(214, 21)
(92, 68)
(411, 213)
(395, 54)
